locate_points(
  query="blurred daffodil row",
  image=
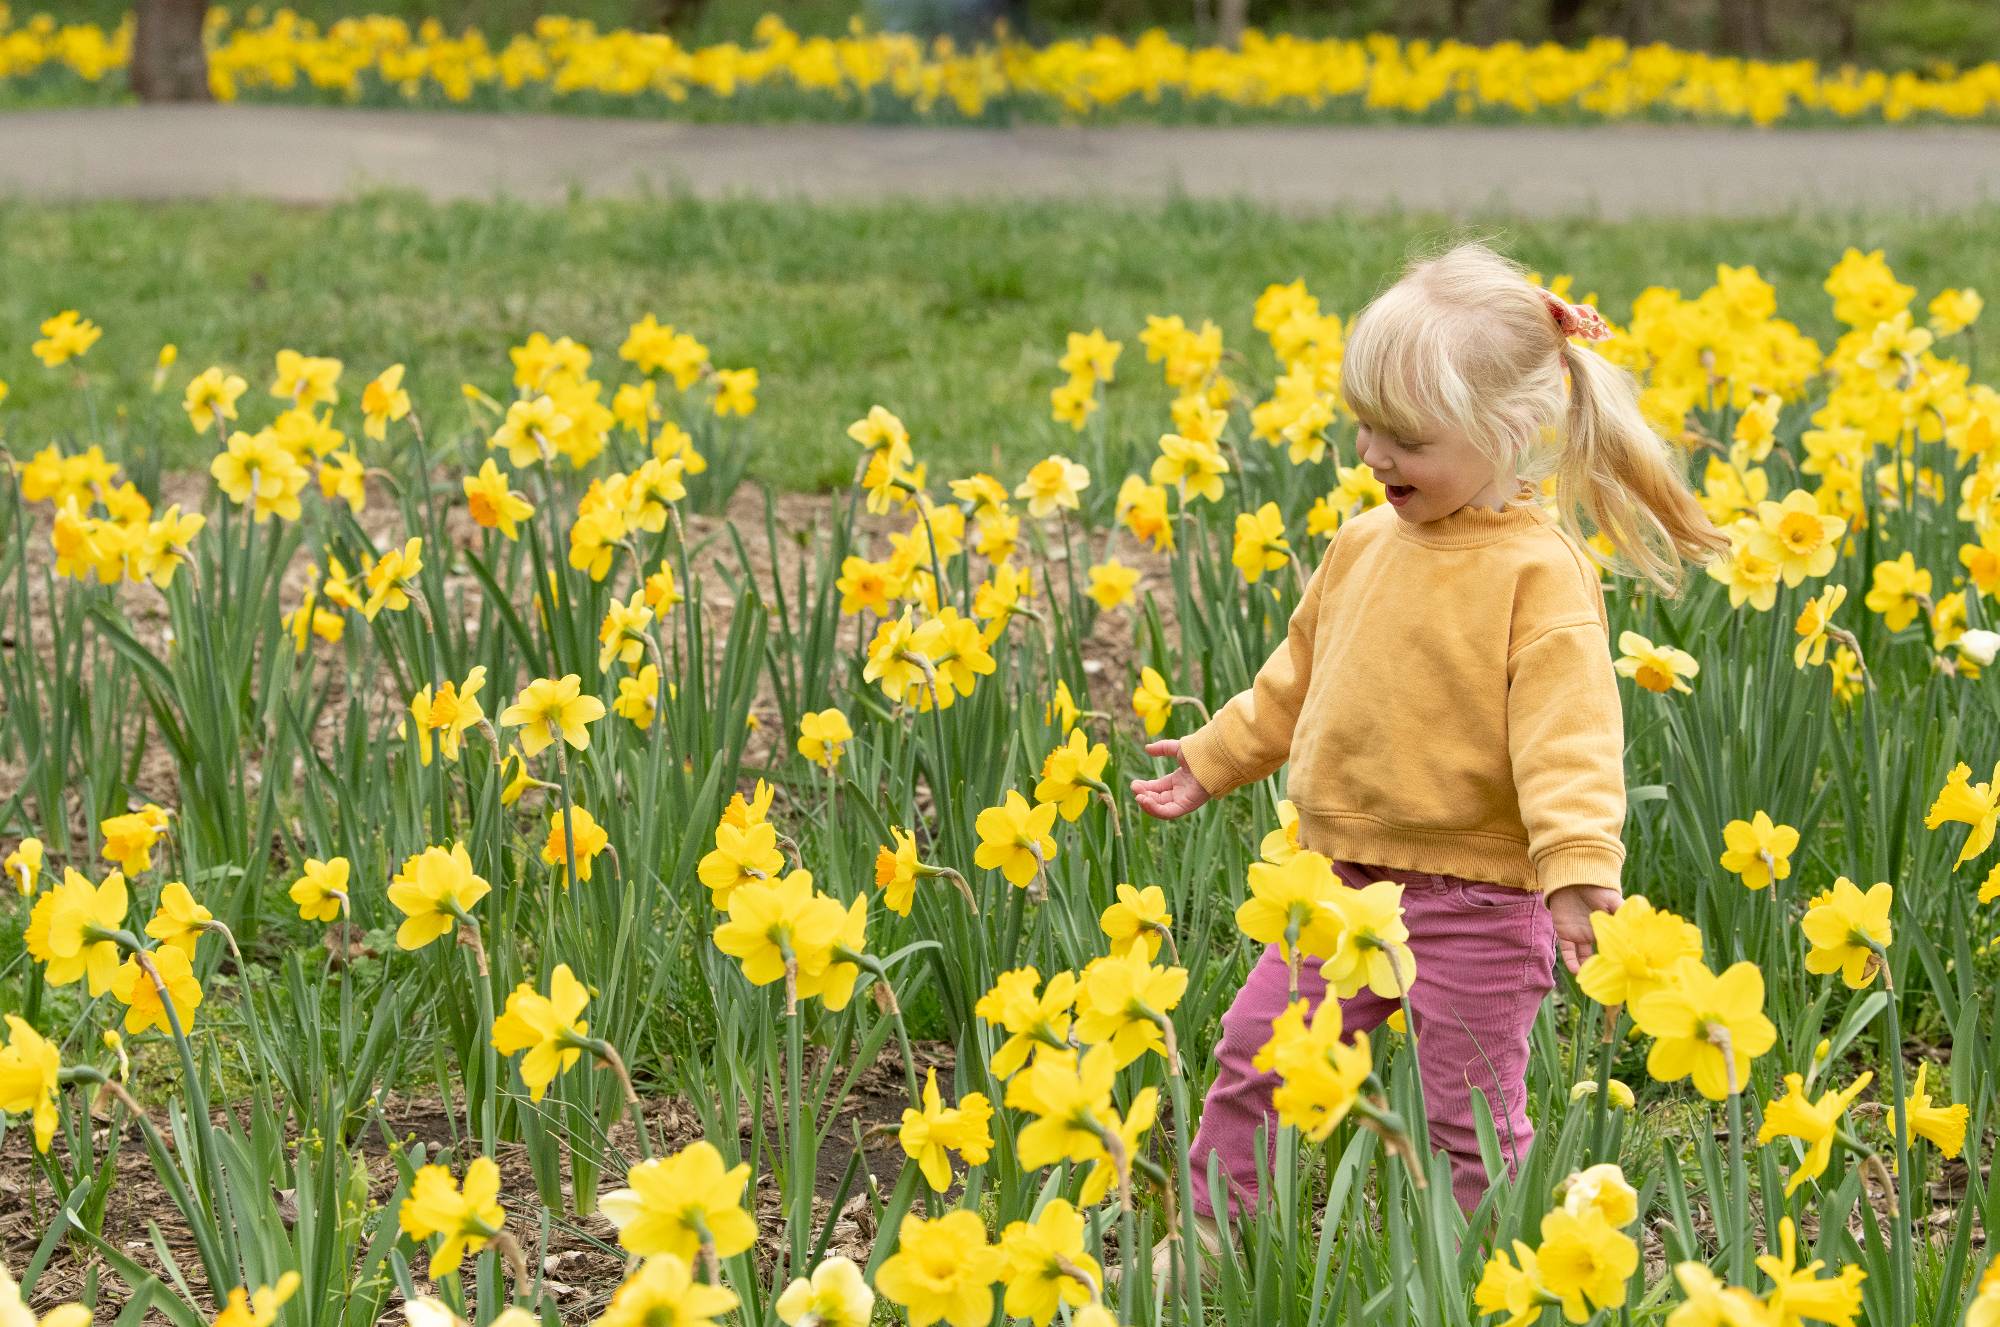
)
(276, 54)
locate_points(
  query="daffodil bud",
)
(1980, 646)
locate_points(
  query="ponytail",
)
(1617, 470)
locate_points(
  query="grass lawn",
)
(951, 315)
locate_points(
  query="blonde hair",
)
(1464, 340)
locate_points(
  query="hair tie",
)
(1575, 320)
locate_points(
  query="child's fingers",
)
(1165, 746)
(1570, 959)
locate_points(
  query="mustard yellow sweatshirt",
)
(1446, 698)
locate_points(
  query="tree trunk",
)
(1638, 21)
(1565, 20)
(1739, 27)
(1231, 17)
(168, 60)
(1848, 32)
(1492, 21)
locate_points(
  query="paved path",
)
(312, 155)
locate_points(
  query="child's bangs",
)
(1396, 376)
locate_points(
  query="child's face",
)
(1429, 478)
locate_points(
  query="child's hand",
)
(1172, 795)
(1570, 907)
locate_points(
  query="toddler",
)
(1445, 694)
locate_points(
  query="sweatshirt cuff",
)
(1580, 864)
(1210, 763)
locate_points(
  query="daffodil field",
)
(573, 64)
(456, 749)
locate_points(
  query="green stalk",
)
(197, 1098)
(1739, 1182)
(1904, 1302)
(802, 1169)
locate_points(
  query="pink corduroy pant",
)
(1485, 962)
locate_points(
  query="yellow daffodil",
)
(65, 336)
(321, 892)
(664, 1290)
(591, 839)
(550, 1028)
(1637, 948)
(1291, 905)
(548, 709)
(259, 1307)
(1708, 1301)
(1044, 1264)
(1967, 803)
(1845, 927)
(30, 1068)
(929, 1135)
(1758, 850)
(742, 855)
(147, 1007)
(1706, 1027)
(1139, 920)
(1320, 1076)
(1658, 668)
(449, 715)
(779, 924)
(1513, 1287)
(129, 838)
(1897, 592)
(675, 1205)
(1799, 1292)
(1122, 1001)
(1014, 839)
(837, 1295)
(383, 401)
(1111, 583)
(1031, 1017)
(306, 380)
(943, 1270)
(1814, 620)
(1602, 1189)
(1814, 1123)
(24, 865)
(391, 578)
(823, 737)
(211, 395)
(434, 891)
(494, 505)
(71, 929)
(466, 1217)
(1943, 1126)
(254, 471)
(1620, 1094)
(1371, 946)
(1052, 485)
(1585, 1261)
(1797, 536)
(1071, 772)
(1151, 701)
(1260, 543)
(180, 920)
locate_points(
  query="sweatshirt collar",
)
(1471, 526)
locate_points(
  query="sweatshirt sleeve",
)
(1566, 741)
(1252, 735)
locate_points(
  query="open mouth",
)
(1398, 494)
